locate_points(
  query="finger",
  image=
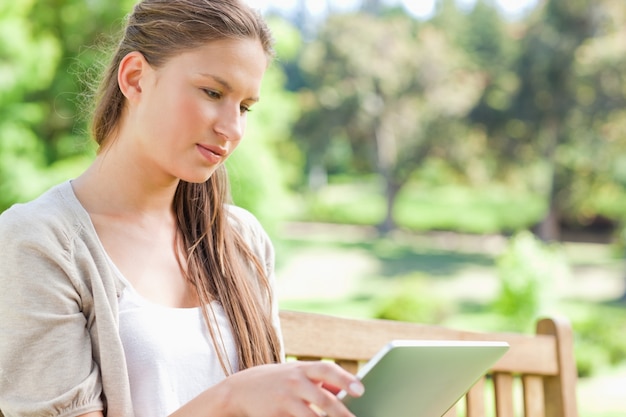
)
(302, 409)
(327, 404)
(321, 400)
(332, 375)
(333, 389)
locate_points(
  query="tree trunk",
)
(391, 191)
(549, 229)
(387, 157)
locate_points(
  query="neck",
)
(116, 185)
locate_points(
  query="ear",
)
(133, 67)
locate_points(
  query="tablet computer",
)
(417, 378)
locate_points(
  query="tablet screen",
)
(416, 378)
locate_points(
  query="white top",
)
(169, 353)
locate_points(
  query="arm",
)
(277, 390)
(46, 367)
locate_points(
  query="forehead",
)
(239, 61)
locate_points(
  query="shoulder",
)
(52, 216)
(244, 221)
(50, 246)
(251, 230)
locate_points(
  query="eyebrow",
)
(225, 84)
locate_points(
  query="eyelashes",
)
(212, 94)
(216, 95)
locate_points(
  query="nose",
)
(230, 123)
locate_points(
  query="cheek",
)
(178, 110)
(167, 115)
(190, 111)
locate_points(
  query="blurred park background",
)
(461, 166)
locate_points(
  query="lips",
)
(215, 149)
(213, 154)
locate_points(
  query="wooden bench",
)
(535, 378)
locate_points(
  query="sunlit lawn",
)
(451, 207)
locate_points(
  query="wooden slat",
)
(475, 399)
(533, 396)
(503, 389)
(348, 365)
(310, 334)
(308, 358)
(560, 390)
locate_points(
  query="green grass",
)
(489, 209)
(483, 210)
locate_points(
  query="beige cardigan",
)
(60, 350)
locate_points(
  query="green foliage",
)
(527, 270)
(544, 96)
(484, 36)
(486, 209)
(352, 202)
(598, 341)
(422, 207)
(42, 46)
(264, 165)
(410, 300)
(393, 90)
(568, 78)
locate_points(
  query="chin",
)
(198, 178)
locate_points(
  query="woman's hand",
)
(293, 389)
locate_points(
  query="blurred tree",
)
(490, 44)
(384, 93)
(27, 64)
(534, 113)
(84, 31)
(598, 185)
(41, 47)
(489, 41)
(594, 157)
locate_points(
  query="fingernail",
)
(357, 389)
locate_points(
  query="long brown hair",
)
(219, 263)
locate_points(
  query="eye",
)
(212, 94)
(244, 109)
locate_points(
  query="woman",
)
(135, 289)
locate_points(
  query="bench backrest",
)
(538, 371)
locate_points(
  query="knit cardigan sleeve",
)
(54, 353)
(46, 365)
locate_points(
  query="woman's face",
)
(190, 114)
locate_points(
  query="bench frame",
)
(544, 362)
